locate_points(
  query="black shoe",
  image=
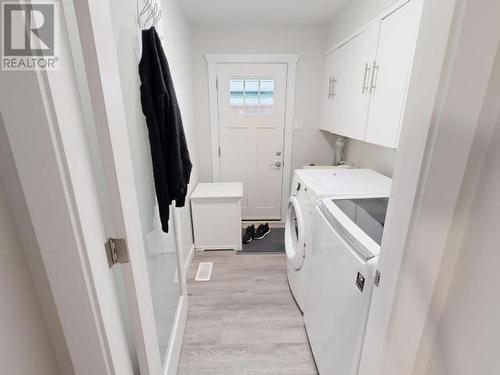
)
(262, 231)
(249, 233)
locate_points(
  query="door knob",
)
(277, 164)
(278, 153)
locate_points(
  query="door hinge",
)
(377, 278)
(219, 151)
(116, 251)
(217, 83)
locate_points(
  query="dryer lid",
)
(352, 182)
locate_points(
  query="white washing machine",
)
(308, 186)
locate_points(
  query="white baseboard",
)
(177, 334)
(272, 224)
(235, 247)
(176, 338)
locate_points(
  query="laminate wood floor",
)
(244, 320)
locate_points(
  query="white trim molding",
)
(176, 337)
(291, 62)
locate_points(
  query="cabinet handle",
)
(373, 84)
(334, 87)
(365, 87)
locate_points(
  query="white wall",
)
(25, 340)
(464, 321)
(367, 155)
(310, 145)
(351, 18)
(178, 48)
(354, 16)
(468, 335)
(175, 32)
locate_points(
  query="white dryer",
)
(344, 256)
(308, 186)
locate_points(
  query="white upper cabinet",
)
(366, 78)
(328, 93)
(393, 66)
(351, 99)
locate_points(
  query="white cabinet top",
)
(218, 190)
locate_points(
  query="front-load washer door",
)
(295, 234)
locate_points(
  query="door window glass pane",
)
(252, 86)
(252, 95)
(267, 92)
(237, 88)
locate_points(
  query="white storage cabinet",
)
(216, 213)
(366, 77)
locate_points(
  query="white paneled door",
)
(251, 106)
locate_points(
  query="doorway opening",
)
(251, 119)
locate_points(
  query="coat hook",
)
(150, 11)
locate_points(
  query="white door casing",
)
(251, 135)
(264, 174)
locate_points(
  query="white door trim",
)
(291, 62)
(171, 365)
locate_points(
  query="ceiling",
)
(261, 11)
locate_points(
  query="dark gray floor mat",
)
(274, 242)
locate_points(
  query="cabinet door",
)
(392, 72)
(355, 58)
(328, 93)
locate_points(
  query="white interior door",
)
(251, 106)
(152, 283)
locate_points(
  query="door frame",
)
(291, 61)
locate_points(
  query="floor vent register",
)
(204, 271)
